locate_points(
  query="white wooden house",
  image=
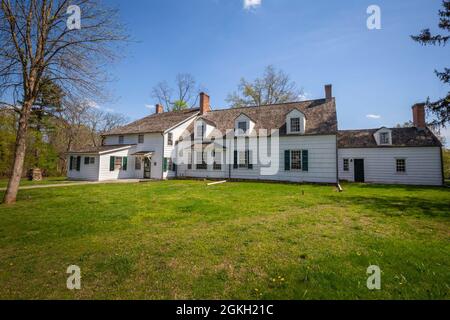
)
(297, 142)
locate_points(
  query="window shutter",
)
(78, 163)
(124, 163)
(249, 157)
(235, 164)
(111, 164)
(305, 160)
(71, 163)
(165, 165)
(287, 160)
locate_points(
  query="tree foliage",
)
(274, 87)
(439, 110)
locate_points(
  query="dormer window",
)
(295, 125)
(295, 122)
(384, 138)
(242, 126)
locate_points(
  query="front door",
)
(147, 168)
(359, 170)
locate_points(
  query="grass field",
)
(184, 240)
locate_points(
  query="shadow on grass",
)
(400, 206)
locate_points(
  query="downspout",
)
(442, 165)
(163, 157)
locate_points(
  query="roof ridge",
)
(270, 105)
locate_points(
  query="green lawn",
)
(184, 240)
(26, 182)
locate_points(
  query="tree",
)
(274, 87)
(440, 109)
(46, 39)
(183, 96)
(99, 122)
(47, 104)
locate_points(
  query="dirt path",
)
(70, 184)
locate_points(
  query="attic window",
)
(242, 126)
(200, 130)
(121, 139)
(295, 124)
(384, 138)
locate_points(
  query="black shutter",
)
(71, 163)
(287, 160)
(249, 157)
(235, 164)
(124, 163)
(305, 160)
(111, 163)
(78, 163)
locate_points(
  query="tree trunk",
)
(19, 156)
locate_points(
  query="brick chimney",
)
(159, 109)
(204, 103)
(419, 115)
(328, 92)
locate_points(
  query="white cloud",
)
(150, 106)
(303, 96)
(373, 116)
(249, 4)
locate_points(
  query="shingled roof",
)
(100, 149)
(401, 137)
(155, 123)
(320, 116)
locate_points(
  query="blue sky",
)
(373, 72)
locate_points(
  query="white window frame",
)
(121, 139)
(170, 139)
(141, 139)
(299, 125)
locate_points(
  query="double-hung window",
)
(242, 127)
(295, 125)
(137, 164)
(121, 139)
(346, 165)
(296, 160)
(170, 139)
(140, 138)
(384, 138)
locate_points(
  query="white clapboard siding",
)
(152, 142)
(87, 172)
(423, 165)
(169, 151)
(105, 174)
(322, 163)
